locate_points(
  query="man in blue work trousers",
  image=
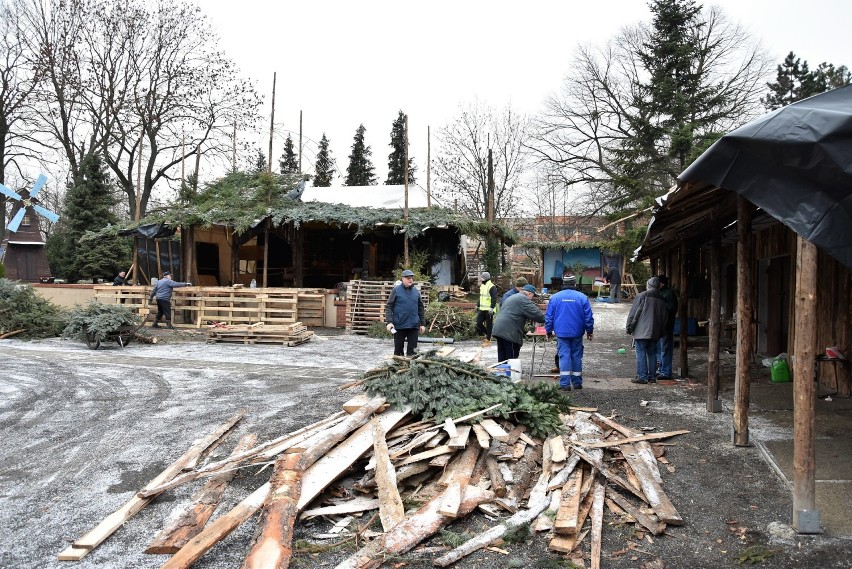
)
(569, 316)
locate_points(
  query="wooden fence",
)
(198, 305)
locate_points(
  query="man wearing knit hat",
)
(645, 323)
(486, 307)
(519, 286)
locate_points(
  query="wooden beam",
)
(683, 311)
(804, 434)
(631, 439)
(658, 500)
(391, 510)
(597, 525)
(745, 317)
(714, 327)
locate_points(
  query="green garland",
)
(438, 388)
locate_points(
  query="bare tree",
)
(131, 78)
(18, 80)
(612, 145)
(461, 169)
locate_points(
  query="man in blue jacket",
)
(405, 315)
(163, 293)
(569, 316)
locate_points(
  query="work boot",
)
(155, 325)
(554, 370)
(169, 326)
(486, 343)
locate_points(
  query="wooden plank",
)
(443, 449)
(361, 504)
(391, 510)
(569, 508)
(450, 427)
(651, 524)
(557, 449)
(658, 499)
(597, 525)
(82, 546)
(494, 430)
(482, 437)
(450, 500)
(609, 473)
(460, 440)
(327, 468)
(628, 440)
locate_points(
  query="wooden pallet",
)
(291, 335)
(366, 300)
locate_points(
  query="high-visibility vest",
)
(485, 296)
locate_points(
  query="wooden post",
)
(745, 310)
(300, 145)
(428, 166)
(714, 326)
(805, 516)
(405, 178)
(159, 262)
(683, 307)
(298, 255)
(265, 253)
(271, 123)
(490, 191)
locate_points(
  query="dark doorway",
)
(208, 263)
(778, 304)
(280, 259)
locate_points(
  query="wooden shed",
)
(757, 235)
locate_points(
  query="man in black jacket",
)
(665, 346)
(405, 315)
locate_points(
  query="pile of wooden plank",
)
(382, 458)
(286, 335)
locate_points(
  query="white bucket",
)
(515, 367)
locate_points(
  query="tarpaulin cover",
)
(152, 231)
(794, 163)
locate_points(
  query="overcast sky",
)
(343, 63)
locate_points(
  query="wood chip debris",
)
(558, 486)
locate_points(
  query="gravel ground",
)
(84, 429)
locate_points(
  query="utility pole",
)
(300, 142)
(405, 183)
(271, 124)
(490, 214)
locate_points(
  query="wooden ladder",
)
(629, 285)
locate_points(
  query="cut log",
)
(82, 546)
(498, 484)
(423, 523)
(191, 519)
(391, 510)
(658, 499)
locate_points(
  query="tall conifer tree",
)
(289, 162)
(325, 165)
(360, 171)
(794, 81)
(396, 159)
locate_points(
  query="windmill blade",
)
(16, 221)
(46, 213)
(8, 192)
(38, 185)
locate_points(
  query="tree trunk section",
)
(745, 313)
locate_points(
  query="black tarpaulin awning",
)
(152, 231)
(795, 164)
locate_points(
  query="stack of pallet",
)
(382, 458)
(287, 335)
(366, 300)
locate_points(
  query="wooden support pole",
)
(683, 310)
(266, 252)
(805, 518)
(714, 326)
(745, 311)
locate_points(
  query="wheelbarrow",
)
(123, 335)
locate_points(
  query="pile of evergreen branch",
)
(98, 319)
(438, 388)
(22, 309)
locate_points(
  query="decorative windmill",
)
(22, 252)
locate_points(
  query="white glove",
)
(490, 311)
(389, 327)
(188, 284)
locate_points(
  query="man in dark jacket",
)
(665, 346)
(162, 291)
(568, 316)
(510, 321)
(645, 323)
(614, 277)
(519, 286)
(120, 280)
(405, 315)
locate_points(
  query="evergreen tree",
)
(89, 206)
(794, 81)
(260, 163)
(396, 159)
(289, 162)
(360, 171)
(325, 165)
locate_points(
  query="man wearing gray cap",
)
(162, 291)
(509, 324)
(486, 307)
(645, 323)
(405, 315)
